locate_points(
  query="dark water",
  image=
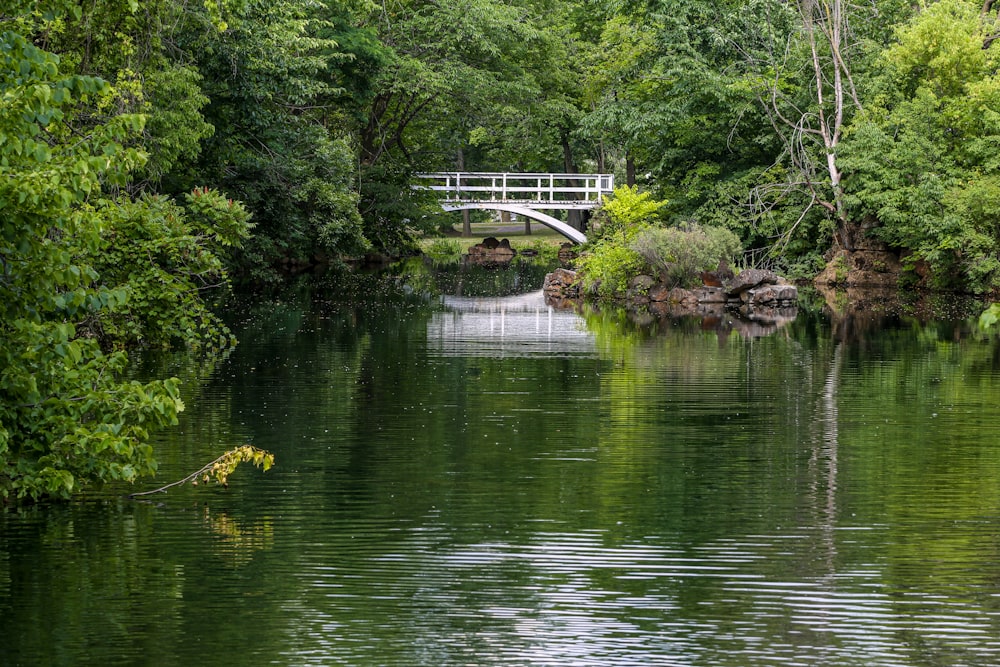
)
(472, 482)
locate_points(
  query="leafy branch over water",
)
(221, 468)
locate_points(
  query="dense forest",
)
(150, 150)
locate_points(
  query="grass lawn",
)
(513, 231)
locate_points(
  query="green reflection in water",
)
(656, 492)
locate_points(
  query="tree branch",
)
(220, 468)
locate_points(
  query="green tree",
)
(281, 144)
(166, 257)
(66, 417)
(456, 82)
(922, 159)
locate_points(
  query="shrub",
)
(624, 215)
(547, 251)
(679, 254)
(444, 250)
(608, 268)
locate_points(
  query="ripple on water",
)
(578, 598)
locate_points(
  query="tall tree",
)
(921, 161)
(280, 143)
(445, 69)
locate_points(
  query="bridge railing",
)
(534, 190)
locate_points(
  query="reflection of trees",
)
(857, 315)
(703, 392)
(823, 465)
(423, 498)
(134, 583)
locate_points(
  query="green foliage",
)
(548, 251)
(443, 250)
(990, 316)
(165, 257)
(280, 144)
(610, 260)
(680, 254)
(221, 468)
(921, 162)
(66, 417)
(392, 209)
(176, 126)
(625, 214)
(608, 267)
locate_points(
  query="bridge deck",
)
(536, 191)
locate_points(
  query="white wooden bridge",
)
(521, 194)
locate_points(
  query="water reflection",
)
(462, 481)
(580, 599)
(508, 326)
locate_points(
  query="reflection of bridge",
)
(522, 194)
(515, 326)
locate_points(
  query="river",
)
(469, 480)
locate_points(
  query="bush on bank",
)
(680, 254)
(628, 239)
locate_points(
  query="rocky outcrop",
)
(491, 251)
(562, 284)
(751, 291)
(750, 279)
(867, 263)
(770, 296)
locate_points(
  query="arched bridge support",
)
(574, 235)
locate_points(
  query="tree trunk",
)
(629, 170)
(573, 217)
(825, 28)
(466, 216)
(829, 19)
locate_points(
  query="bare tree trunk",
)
(831, 23)
(825, 27)
(629, 170)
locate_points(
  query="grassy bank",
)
(540, 237)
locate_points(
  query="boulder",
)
(638, 289)
(492, 251)
(637, 297)
(659, 293)
(750, 279)
(710, 294)
(770, 296)
(562, 282)
(682, 296)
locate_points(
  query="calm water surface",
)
(471, 481)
